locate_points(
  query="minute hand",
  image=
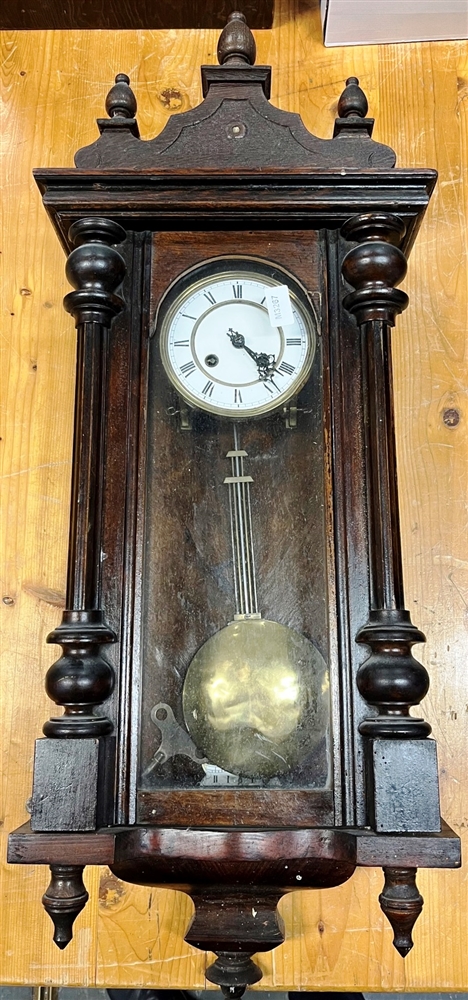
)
(265, 362)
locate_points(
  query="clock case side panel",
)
(125, 514)
(350, 542)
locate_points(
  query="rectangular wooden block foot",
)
(404, 786)
(69, 784)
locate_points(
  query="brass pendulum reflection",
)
(255, 694)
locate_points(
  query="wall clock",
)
(237, 674)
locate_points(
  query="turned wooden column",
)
(82, 679)
(401, 763)
(391, 680)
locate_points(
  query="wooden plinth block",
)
(69, 790)
(404, 786)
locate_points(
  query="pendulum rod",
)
(245, 585)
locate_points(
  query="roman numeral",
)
(181, 343)
(188, 368)
(208, 388)
(263, 300)
(268, 387)
(186, 316)
(237, 289)
(237, 396)
(293, 341)
(210, 297)
(286, 368)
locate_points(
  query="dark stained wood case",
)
(132, 217)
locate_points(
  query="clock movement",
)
(237, 675)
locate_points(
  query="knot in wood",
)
(236, 44)
(121, 101)
(353, 100)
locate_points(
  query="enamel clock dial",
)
(238, 338)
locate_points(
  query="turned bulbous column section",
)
(95, 269)
(374, 268)
(82, 678)
(391, 679)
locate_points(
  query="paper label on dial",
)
(278, 304)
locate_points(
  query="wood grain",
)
(54, 86)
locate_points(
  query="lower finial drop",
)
(233, 971)
(64, 899)
(402, 903)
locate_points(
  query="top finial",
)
(121, 101)
(353, 100)
(236, 45)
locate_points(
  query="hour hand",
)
(265, 362)
(237, 340)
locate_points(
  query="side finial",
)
(121, 101)
(236, 45)
(352, 111)
(353, 100)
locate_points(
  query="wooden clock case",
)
(236, 176)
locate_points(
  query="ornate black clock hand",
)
(265, 362)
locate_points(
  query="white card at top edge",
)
(278, 303)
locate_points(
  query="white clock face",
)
(222, 353)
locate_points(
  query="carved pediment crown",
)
(235, 125)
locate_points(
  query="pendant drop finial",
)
(233, 972)
(402, 903)
(236, 45)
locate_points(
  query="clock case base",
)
(199, 180)
(235, 878)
